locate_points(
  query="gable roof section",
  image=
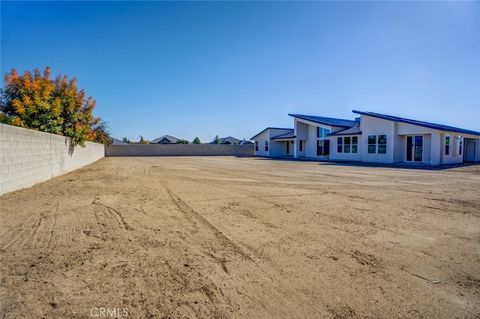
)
(226, 140)
(435, 126)
(288, 135)
(271, 128)
(170, 138)
(229, 139)
(116, 141)
(355, 130)
(325, 120)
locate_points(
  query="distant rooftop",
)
(116, 141)
(165, 139)
(227, 140)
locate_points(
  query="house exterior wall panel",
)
(374, 126)
(335, 155)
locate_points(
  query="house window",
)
(322, 132)
(459, 145)
(447, 145)
(339, 145)
(354, 144)
(266, 146)
(372, 144)
(382, 144)
(300, 146)
(377, 144)
(256, 146)
(346, 144)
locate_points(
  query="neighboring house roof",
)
(325, 120)
(116, 141)
(435, 126)
(271, 128)
(165, 139)
(244, 142)
(355, 130)
(227, 140)
(288, 135)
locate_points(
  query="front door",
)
(414, 148)
(469, 151)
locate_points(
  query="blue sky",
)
(232, 68)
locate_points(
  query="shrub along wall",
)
(28, 157)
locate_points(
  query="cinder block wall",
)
(179, 150)
(28, 157)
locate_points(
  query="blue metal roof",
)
(434, 126)
(271, 128)
(325, 120)
(354, 130)
(288, 135)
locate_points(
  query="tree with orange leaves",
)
(55, 106)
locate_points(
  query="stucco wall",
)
(179, 150)
(301, 132)
(453, 157)
(334, 155)
(375, 126)
(274, 148)
(261, 138)
(311, 142)
(28, 157)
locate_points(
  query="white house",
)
(371, 137)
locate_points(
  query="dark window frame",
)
(382, 144)
(354, 147)
(447, 145)
(372, 147)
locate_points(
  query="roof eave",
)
(407, 121)
(318, 122)
(344, 134)
(271, 128)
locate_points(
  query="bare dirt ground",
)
(222, 237)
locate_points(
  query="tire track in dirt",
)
(193, 214)
(113, 211)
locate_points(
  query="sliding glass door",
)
(414, 148)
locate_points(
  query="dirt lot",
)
(220, 237)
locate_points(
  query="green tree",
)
(216, 140)
(142, 140)
(196, 140)
(34, 100)
(182, 141)
(126, 140)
